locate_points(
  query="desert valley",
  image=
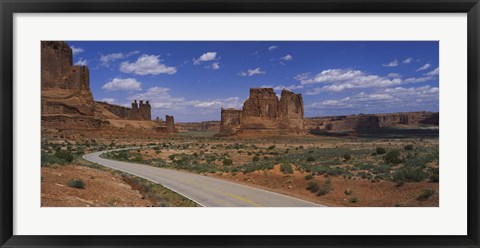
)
(358, 160)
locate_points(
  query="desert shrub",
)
(348, 191)
(64, 155)
(313, 186)
(392, 157)
(409, 174)
(255, 158)
(433, 175)
(48, 159)
(76, 183)
(171, 157)
(308, 177)
(347, 156)
(365, 166)
(227, 162)
(271, 147)
(310, 159)
(425, 194)
(408, 147)
(286, 168)
(353, 199)
(380, 150)
(325, 188)
(138, 157)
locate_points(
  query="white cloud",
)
(391, 64)
(81, 62)
(424, 67)
(394, 75)
(337, 80)
(435, 72)
(161, 100)
(232, 102)
(215, 66)
(287, 57)
(291, 87)
(109, 100)
(271, 48)
(407, 60)
(209, 56)
(107, 59)
(251, 72)
(147, 64)
(122, 84)
(77, 50)
(381, 100)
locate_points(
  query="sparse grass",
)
(286, 168)
(425, 194)
(76, 183)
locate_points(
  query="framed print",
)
(247, 124)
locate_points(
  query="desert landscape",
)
(262, 151)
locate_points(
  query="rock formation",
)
(166, 127)
(67, 101)
(370, 121)
(140, 111)
(264, 112)
(65, 87)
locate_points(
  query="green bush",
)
(313, 186)
(433, 175)
(425, 194)
(308, 177)
(348, 191)
(408, 147)
(76, 183)
(409, 174)
(286, 168)
(64, 155)
(255, 158)
(227, 162)
(392, 157)
(325, 188)
(353, 199)
(310, 159)
(380, 150)
(271, 147)
(347, 156)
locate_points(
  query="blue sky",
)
(192, 80)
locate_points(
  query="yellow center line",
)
(217, 190)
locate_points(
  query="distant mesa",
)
(264, 113)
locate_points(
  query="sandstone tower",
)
(264, 112)
(65, 87)
(142, 111)
(170, 123)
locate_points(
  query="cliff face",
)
(264, 112)
(372, 121)
(65, 87)
(67, 101)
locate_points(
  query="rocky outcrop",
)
(170, 123)
(166, 127)
(65, 87)
(199, 126)
(371, 121)
(140, 111)
(264, 112)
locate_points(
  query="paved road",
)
(206, 191)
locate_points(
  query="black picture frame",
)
(10, 7)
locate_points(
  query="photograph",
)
(254, 123)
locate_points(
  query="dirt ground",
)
(102, 189)
(368, 194)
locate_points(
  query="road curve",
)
(206, 191)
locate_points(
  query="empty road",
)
(206, 191)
